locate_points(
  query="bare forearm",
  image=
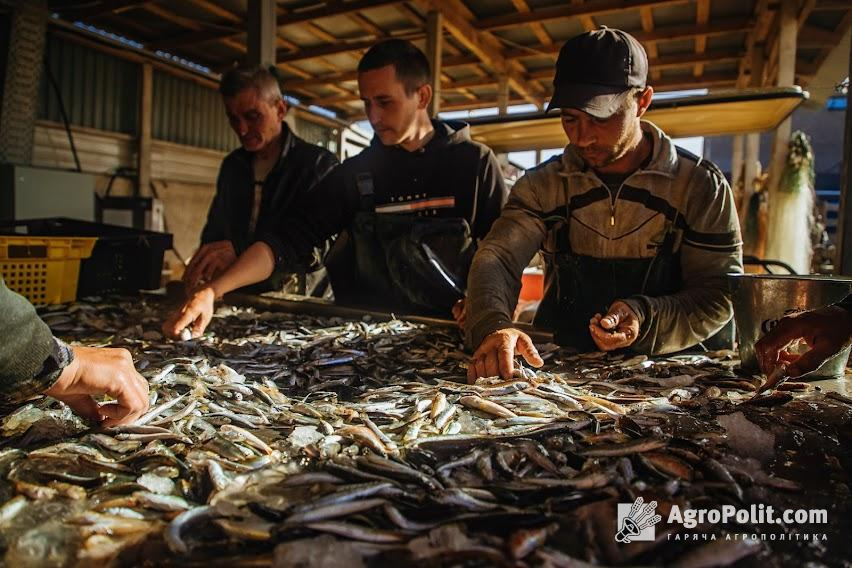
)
(254, 265)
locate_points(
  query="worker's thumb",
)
(526, 348)
(611, 320)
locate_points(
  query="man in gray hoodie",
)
(637, 234)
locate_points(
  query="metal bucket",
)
(760, 300)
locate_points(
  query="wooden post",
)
(503, 94)
(844, 228)
(146, 104)
(434, 45)
(262, 29)
(752, 144)
(737, 164)
(778, 234)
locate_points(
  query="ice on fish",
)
(304, 436)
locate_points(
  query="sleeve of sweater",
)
(30, 357)
(319, 215)
(711, 248)
(494, 280)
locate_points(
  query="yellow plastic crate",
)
(44, 270)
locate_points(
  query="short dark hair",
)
(409, 63)
(238, 79)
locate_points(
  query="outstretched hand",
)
(826, 331)
(98, 371)
(195, 314)
(496, 354)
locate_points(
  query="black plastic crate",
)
(123, 260)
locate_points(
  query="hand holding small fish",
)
(195, 314)
(496, 354)
(97, 371)
(825, 331)
(617, 329)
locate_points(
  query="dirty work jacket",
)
(676, 194)
(30, 358)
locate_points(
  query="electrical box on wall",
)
(33, 193)
(134, 212)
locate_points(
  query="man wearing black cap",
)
(631, 226)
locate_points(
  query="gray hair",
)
(262, 79)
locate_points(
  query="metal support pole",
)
(261, 32)
(145, 121)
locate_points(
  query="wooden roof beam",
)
(702, 14)
(216, 10)
(646, 38)
(812, 36)
(451, 61)
(319, 33)
(755, 39)
(88, 10)
(410, 14)
(194, 38)
(460, 23)
(326, 10)
(537, 27)
(672, 33)
(670, 62)
(591, 8)
(365, 24)
(333, 49)
(647, 16)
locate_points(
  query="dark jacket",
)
(30, 358)
(297, 172)
(450, 169)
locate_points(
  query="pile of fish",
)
(307, 441)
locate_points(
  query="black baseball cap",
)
(595, 70)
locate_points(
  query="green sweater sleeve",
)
(25, 345)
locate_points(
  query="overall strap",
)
(366, 196)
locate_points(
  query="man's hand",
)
(496, 354)
(460, 313)
(96, 371)
(196, 314)
(208, 262)
(618, 328)
(826, 331)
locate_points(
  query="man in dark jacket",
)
(33, 362)
(410, 208)
(258, 182)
